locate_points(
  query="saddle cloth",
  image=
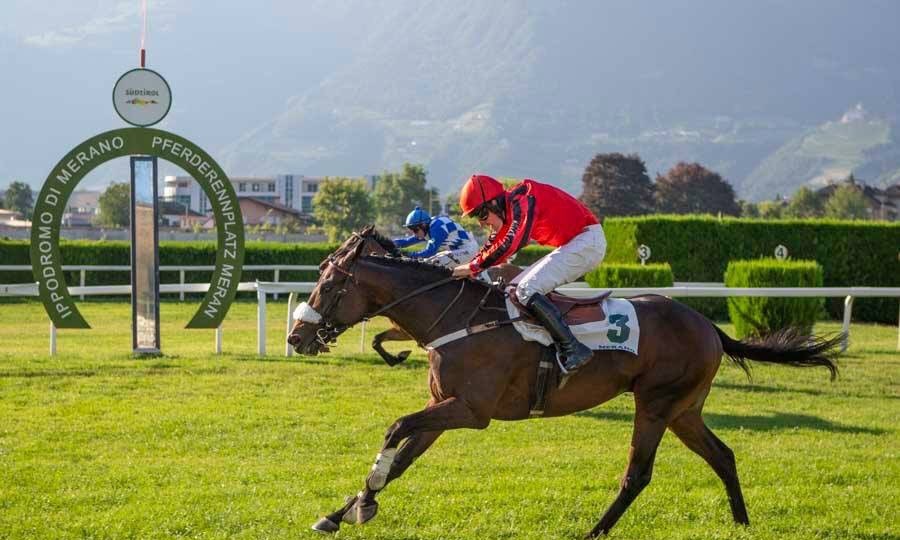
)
(618, 331)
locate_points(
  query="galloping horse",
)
(491, 374)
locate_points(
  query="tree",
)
(692, 188)
(19, 198)
(804, 204)
(396, 194)
(847, 202)
(748, 209)
(771, 209)
(617, 185)
(114, 205)
(343, 206)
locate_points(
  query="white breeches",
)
(564, 264)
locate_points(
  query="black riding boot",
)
(577, 353)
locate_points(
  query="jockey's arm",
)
(404, 242)
(516, 236)
(436, 237)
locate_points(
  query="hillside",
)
(857, 143)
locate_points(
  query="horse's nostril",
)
(293, 339)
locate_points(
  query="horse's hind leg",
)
(648, 431)
(690, 428)
(394, 334)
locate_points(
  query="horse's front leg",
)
(417, 432)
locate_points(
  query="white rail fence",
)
(83, 269)
(293, 289)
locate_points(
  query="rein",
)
(329, 332)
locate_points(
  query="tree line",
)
(616, 184)
(613, 184)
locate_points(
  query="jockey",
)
(448, 243)
(543, 213)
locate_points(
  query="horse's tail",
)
(786, 347)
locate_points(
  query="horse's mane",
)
(421, 267)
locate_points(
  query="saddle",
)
(574, 310)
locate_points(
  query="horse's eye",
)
(327, 288)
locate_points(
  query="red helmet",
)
(478, 190)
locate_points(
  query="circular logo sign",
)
(142, 97)
(781, 252)
(644, 252)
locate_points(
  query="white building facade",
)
(292, 190)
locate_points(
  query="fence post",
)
(362, 337)
(219, 339)
(52, 339)
(181, 281)
(848, 310)
(288, 350)
(276, 281)
(260, 320)
(82, 280)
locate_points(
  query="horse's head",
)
(336, 302)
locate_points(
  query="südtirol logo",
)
(142, 97)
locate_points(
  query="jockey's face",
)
(418, 231)
(491, 220)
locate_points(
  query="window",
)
(255, 186)
(271, 187)
(289, 191)
(312, 188)
(306, 204)
(242, 186)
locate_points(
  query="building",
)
(175, 215)
(292, 191)
(81, 209)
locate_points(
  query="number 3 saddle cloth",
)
(613, 326)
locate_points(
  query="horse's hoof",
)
(326, 526)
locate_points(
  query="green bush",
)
(851, 253)
(753, 316)
(612, 275)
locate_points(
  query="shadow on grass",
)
(761, 389)
(776, 421)
(335, 359)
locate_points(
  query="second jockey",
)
(448, 243)
(548, 215)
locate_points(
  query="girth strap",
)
(468, 331)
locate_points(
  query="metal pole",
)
(82, 281)
(260, 321)
(288, 350)
(848, 310)
(219, 339)
(898, 330)
(181, 281)
(52, 339)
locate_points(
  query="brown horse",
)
(492, 374)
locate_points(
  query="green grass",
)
(95, 444)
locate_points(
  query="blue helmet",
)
(417, 217)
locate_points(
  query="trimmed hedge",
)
(755, 316)
(851, 253)
(86, 252)
(610, 275)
